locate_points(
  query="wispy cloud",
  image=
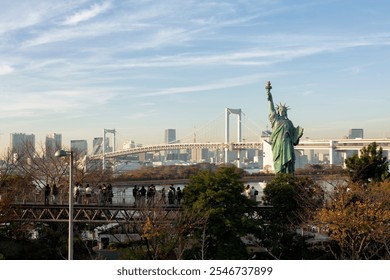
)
(225, 83)
(6, 69)
(88, 14)
(48, 102)
(23, 14)
(281, 51)
(141, 115)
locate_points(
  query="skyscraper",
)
(97, 145)
(170, 136)
(355, 133)
(128, 144)
(79, 146)
(21, 143)
(53, 143)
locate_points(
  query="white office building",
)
(53, 143)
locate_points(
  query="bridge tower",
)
(105, 131)
(237, 112)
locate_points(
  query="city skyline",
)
(77, 67)
(53, 141)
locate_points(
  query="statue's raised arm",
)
(268, 88)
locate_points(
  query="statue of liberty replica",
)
(284, 136)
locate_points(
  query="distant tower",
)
(228, 112)
(355, 133)
(170, 136)
(53, 143)
(21, 143)
(105, 144)
(97, 145)
(128, 144)
(79, 146)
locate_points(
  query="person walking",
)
(179, 195)
(135, 194)
(248, 191)
(100, 195)
(47, 194)
(163, 196)
(110, 194)
(171, 196)
(88, 194)
(55, 194)
(253, 194)
(76, 193)
(142, 194)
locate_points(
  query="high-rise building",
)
(199, 155)
(53, 143)
(21, 143)
(80, 147)
(170, 136)
(128, 144)
(355, 133)
(97, 145)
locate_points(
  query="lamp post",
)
(62, 153)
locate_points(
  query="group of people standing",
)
(150, 195)
(82, 194)
(251, 192)
(51, 194)
(86, 194)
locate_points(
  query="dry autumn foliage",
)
(357, 219)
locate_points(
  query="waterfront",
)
(123, 194)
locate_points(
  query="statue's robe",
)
(283, 138)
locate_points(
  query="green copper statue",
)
(284, 136)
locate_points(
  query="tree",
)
(157, 232)
(219, 195)
(169, 235)
(21, 181)
(356, 218)
(294, 200)
(356, 214)
(369, 166)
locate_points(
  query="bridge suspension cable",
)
(251, 130)
(211, 131)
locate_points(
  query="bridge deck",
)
(336, 144)
(91, 213)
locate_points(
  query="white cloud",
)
(48, 102)
(226, 83)
(85, 15)
(23, 14)
(141, 115)
(63, 35)
(6, 69)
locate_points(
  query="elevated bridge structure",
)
(245, 138)
(333, 146)
(180, 146)
(92, 214)
(82, 213)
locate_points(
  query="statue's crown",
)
(281, 106)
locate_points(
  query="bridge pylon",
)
(237, 112)
(105, 131)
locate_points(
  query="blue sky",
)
(77, 67)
